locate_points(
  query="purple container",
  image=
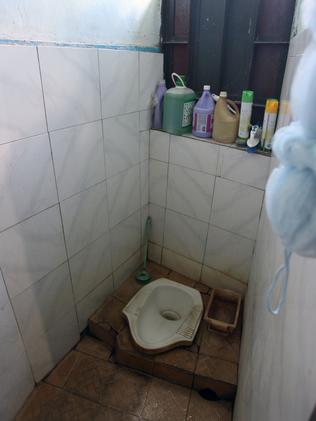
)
(203, 114)
(158, 105)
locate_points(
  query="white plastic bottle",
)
(245, 115)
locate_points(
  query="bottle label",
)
(187, 113)
(203, 123)
(245, 117)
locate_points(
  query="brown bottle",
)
(226, 122)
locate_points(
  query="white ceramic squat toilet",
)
(163, 315)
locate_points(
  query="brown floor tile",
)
(204, 289)
(203, 410)
(166, 402)
(102, 330)
(127, 290)
(91, 378)
(215, 344)
(93, 347)
(177, 277)
(127, 354)
(180, 358)
(205, 299)
(217, 375)
(217, 369)
(109, 384)
(50, 403)
(60, 374)
(127, 391)
(154, 268)
(107, 321)
(110, 414)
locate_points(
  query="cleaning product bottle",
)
(269, 122)
(203, 114)
(178, 107)
(245, 116)
(226, 122)
(254, 140)
(158, 104)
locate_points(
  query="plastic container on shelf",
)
(269, 123)
(158, 104)
(245, 115)
(225, 127)
(203, 114)
(178, 107)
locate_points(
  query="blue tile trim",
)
(76, 45)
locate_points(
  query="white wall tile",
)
(250, 169)
(89, 304)
(181, 264)
(194, 154)
(121, 141)
(144, 145)
(145, 119)
(16, 377)
(119, 82)
(154, 252)
(144, 213)
(125, 239)
(151, 72)
(144, 182)
(21, 101)
(27, 183)
(124, 194)
(78, 158)
(158, 176)
(45, 302)
(84, 217)
(91, 266)
(236, 207)
(184, 235)
(159, 145)
(157, 214)
(71, 85)
(190, 192)
(30, 250)
(49, 347)
(229, 253)
(215, 279)
(127, 269)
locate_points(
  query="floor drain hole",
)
(170, 315)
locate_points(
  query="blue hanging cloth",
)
(291, 188)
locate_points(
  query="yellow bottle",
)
(269, 123)
(226, 121)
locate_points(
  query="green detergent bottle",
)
(178, 107)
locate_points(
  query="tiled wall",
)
(277, 371)
(205, 201)
(73, 193)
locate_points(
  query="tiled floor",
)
(210, 362)
(88, 386)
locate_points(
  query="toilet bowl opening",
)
(170, 315)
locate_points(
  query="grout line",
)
(106, 184)
(19, 330)
(165, 208)
(56, 185)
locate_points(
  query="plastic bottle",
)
(269, 122)
(245, 115)
(203, 114)
(225, 125)
(158, 104)
(178, 108)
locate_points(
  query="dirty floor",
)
(88, 386)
